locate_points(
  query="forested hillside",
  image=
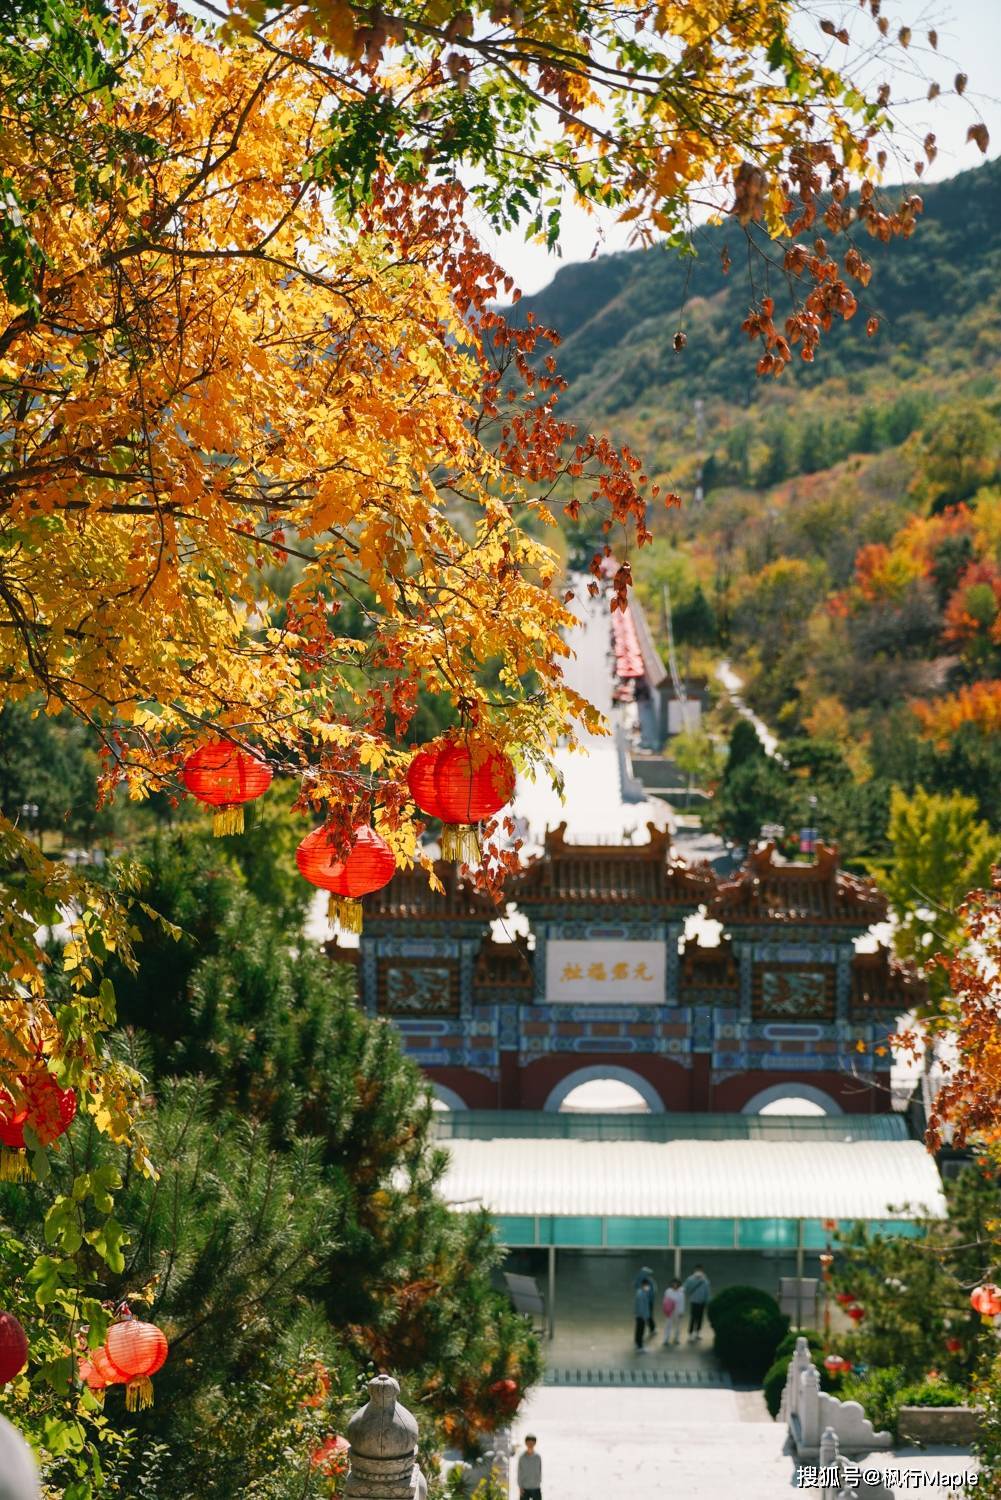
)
(846, 554)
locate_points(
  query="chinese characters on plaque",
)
(605, 973)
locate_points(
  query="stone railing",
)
(383, 1448)
(810, 1413)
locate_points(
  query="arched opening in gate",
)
(604, 1090)
(443, 1098)
(792, 1099)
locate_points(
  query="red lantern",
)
(461, 785)
(368, 865)
(331, 1456)
(420, 779)
(136, 1351)
(954, 1345)
(856, 1313)
(13, 1347)
(47, 1110)
(986, 1300)
(91, 1376)
(836, 1364)
(844, 1299)
(225, 776)
(104, 1372)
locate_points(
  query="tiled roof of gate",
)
(409, 896)
(503, 966)
(712, 965)
(881, 981)
(753, 1179)
(767, 889)
(612, 874)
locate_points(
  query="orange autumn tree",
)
(228, 413)
(770, 113)
(251, 372)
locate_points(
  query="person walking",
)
(674, 1311)
(643, 1295)
(698, 1290)
(530, 1471)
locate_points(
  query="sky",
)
(969, 41)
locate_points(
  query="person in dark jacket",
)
(698, 1290)
(643, 1297)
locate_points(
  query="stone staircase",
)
(641, 1375)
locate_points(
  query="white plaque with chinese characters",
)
(605, 973)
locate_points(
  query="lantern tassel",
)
(228, 820)
(14, 1167)
(346, 912)
(139, 1394)
(460, 843)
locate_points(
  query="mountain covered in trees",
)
(845, 551)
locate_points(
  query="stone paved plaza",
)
(678, 1444)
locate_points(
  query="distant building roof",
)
(616, 874)
(767, 889)
(751, 1179)
(653, 664)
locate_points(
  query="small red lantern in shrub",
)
(367, 866)
(986, 1300)
(461, 783)
(321, 1387)
(13, 1348)
(954, 1345)
(331, 1457)
(856, 1313)
(136, 1350)
(836, 1364)
(224, 776)
(506, 1396)
(46, 1109)
(844, 1299)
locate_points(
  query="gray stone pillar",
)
(383, 1448)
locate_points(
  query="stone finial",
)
(18, 1471)
(383, 1448)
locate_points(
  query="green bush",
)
(774, 1384)
(933, 1393)
(748, 1328)
(878, 1393)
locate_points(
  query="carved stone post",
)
(829, 1458)
(383, 1448)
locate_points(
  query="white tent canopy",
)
(739, 1179)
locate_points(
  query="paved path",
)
(593, 806)
(734, 686)
(600, 1444)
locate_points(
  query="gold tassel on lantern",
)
(14, 1167)
(139, 1395)
(227, 820)
(459, 843)
(346, 912)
